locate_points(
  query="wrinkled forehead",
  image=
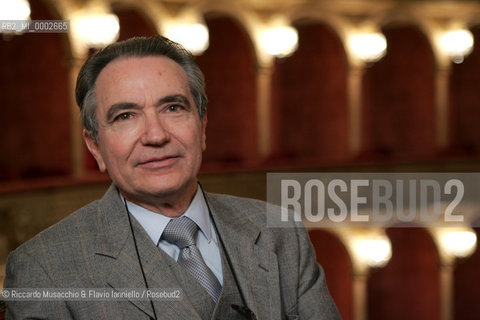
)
(129, 66)
(141, 80)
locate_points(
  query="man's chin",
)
(167, 191)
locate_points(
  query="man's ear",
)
(92, 146)
(204, 133)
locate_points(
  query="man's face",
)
(151, 136)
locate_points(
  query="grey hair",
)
(134, 47)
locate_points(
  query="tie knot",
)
(181, 232)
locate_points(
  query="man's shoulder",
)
(58, 254)
(240, 210)
(78, 224)
(252, 209)
(237, 202)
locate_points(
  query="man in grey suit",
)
(143, 108)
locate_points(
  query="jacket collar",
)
(251, 262)
(115, 249)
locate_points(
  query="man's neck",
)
(171, 206)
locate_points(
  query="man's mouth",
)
(158, 162)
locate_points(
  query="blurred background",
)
(293, 86)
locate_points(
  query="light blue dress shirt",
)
(207, 241)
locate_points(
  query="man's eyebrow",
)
(180, 98)
(117, 107)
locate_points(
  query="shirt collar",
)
(154, 223)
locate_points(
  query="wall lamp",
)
(368, 247)
(14, 10)
(457, 44)
(280, 41)
(193, 36)
(456, 242)
(374, 251)
(367, 46)
(95, 27)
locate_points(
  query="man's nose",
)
(154, 132)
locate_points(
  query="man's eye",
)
(174, 108)
(124, 116)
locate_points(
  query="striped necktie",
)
(182, 232)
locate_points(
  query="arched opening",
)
(409, 286)
(229, 65)
(335, 260)
(465, 102)
(309, 98)
(34, 82)
(465, 286)
(399, 98)
(133, 23)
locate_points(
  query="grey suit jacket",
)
(93, 248)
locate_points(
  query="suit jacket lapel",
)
(116, 251)
(255, 267)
